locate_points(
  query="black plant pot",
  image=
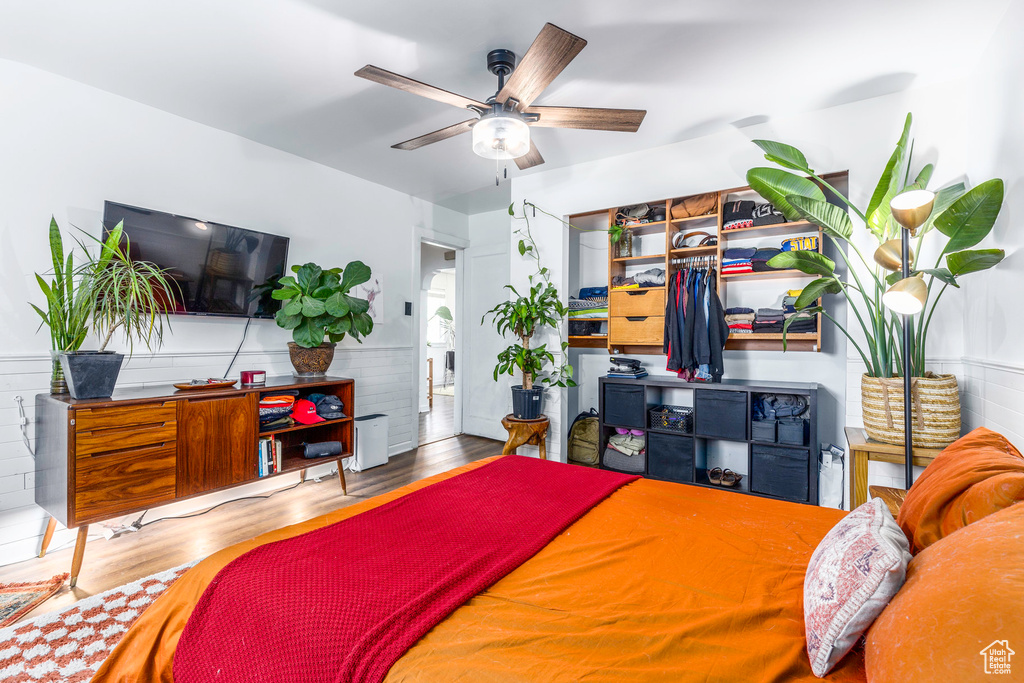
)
(91, 374)
(526, 403)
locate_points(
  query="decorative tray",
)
(211, 383)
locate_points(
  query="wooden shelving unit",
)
(632, 333)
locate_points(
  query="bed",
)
(659, 582)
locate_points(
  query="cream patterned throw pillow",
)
(853, 574)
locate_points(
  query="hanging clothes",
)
(695, 326)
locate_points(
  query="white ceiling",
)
(280, 71)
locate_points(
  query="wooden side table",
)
(524, 433)
(864, 449)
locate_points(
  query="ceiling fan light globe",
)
(501, 137)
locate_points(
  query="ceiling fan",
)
(501, 128)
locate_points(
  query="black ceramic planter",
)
(91, 374)
(526, 403)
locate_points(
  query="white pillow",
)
(853, 574)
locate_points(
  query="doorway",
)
(440, 317)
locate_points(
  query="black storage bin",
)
(762, 430)
(794, 431)
(781, 472)
(624, 406)
(721, 414)
(669, 457)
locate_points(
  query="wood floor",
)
(439, 421)
(173, 542)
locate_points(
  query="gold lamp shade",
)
(911, 209)
(889, 255)
(907, 296)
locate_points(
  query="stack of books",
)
(626, 367)
(268, 457)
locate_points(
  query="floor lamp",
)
(907, 296)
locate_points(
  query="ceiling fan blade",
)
(436, 136)
(625, 120)
(385, 77)
(550, 52)
(530, 159)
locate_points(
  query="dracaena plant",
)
(961, 217)
(318, 305)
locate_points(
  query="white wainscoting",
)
(383, 378)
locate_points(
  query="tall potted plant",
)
(67, 308)
(116, 293)
(523, 316)
(320, 312)
(961, 218)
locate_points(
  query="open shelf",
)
(774, 228)
(589, 320)
(707, 216)
(635, 289)
(701, 479)
(298, 427)
(694, 251)
(645, 228)
(293, 461)
(766, 275)
(588, 341)
(639, 259)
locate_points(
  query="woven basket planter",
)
(312, 362)
(935, 401)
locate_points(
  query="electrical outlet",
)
(30, 480)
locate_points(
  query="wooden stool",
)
(526, 433)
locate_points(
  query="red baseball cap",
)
(305, 412)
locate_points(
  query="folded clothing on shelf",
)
(761, 258)
(588, 308)
(594, 293)
(627, 444)
(739, 318)
(739, 253)
(738, 310)
(766, 214)
(652, 277)
(733, 266)
(809, 243)
(738, 214)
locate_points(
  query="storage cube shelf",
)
(722, 420)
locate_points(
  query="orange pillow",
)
(963, 595)
(973, 477)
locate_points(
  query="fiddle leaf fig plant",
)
(963, 217)
(318, 305)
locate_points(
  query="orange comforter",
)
(660, 582)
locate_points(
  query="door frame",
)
(459, 246)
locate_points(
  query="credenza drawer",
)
(87, 419)
(636, 329)
(637, 302)
(119, 439)
(117, 482)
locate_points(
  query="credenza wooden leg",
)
(302, 476)
(47, 536)
(341, 478)
(76, 561)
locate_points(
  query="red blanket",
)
(344, 602)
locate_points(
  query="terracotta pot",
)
(312, 362)
(935, 409)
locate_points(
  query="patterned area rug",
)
(17, 599)
(68, 646)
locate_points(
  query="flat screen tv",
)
(219, 269)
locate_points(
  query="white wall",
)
(68, 147)
(486, 273)
(858, 137)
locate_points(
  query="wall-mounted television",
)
(219, 269)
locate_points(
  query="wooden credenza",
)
(98, 459)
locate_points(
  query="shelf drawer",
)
(721, 414)
(670, 457)
(87, 419)
(624, 405)
(118, 482)
(779, 471)
(637, 302)
(637, 329)
(119, 439)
